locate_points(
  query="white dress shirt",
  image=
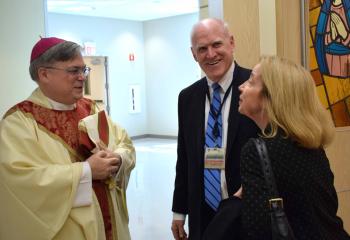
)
(224, 83)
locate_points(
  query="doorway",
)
(96, 85)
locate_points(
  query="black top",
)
(305, 182)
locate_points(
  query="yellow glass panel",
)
(314, 3)
(322, 95)
(313, 62)
(329, 113)
(313, 32)
(313, 16)
(311, 44)
(337, 88)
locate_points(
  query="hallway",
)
(150, 190)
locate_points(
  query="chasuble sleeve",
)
(124, 147)
(38, 180)
(100, 128)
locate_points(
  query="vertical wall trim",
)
(107, 86)
(45, 18)
(203, 9)
(267, 27)
(303, 34)
(215, 9)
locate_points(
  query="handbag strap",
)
(279, 222)
(266, 167)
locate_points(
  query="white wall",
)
(170, 67)
(114, 39)
(21, 23)
(163, 64)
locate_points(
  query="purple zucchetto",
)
(43, 45)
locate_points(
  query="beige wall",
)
(270, 27)
(288, 30)
(339, 156)
(257, 36)
(247, 35)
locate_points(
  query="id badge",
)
(214, 158)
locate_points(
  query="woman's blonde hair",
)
(292, 103)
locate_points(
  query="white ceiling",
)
(135, 10)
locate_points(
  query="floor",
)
(150, 190)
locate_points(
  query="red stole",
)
(100, 187)
(63, 124)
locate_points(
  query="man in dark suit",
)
(212, 47)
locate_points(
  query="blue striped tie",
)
(213, 138)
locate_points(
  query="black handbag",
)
(226, 224)
(280, 227)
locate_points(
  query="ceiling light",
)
(80, 9)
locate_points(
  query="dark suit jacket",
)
(304, 181)
(189, 187)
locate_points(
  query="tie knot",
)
(216, 87)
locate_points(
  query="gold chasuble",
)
(41, 154)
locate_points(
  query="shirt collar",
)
(61, 106)
(226, 80)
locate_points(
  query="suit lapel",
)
(233, 116)
(199, 119)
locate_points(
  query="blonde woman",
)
(280, 97)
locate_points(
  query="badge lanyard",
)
(216, 114)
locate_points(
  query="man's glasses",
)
(74, 71)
